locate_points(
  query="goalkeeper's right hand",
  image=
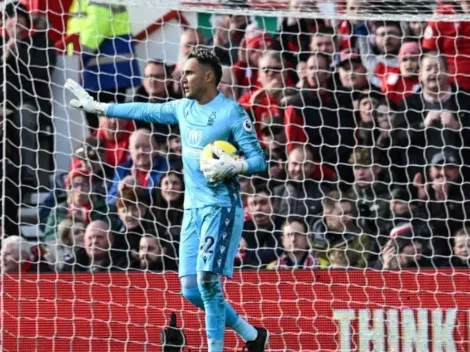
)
(84, 101)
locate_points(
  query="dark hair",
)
(301, 220)
(323, 56)
(168, 69)
(324, 31)
(396, 24)
(132, 196)
(208, 58)
(261, 188)
(13, 9)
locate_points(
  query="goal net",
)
(355, 237)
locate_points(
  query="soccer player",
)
(213, 213)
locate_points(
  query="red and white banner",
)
(304, 310)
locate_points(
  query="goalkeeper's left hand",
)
(223, 167)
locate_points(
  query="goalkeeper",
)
(213, 213)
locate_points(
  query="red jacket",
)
(452, 40)
(398, 88)
(247, 77)
(266, 106)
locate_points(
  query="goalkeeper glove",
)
(84, 101)
(223, 167)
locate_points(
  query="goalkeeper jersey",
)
(220, 119)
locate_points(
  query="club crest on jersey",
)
(211, 119)
(247, 126)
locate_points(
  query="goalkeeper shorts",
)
(210, 238)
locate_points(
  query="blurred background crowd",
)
(363, 124)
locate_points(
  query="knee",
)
(189, 289)
(209, 284)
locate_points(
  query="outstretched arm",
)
(164, 113)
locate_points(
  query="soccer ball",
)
(207, 153)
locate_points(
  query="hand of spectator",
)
(338, 258)
(389, 257)
(301, 70)
(418, 183)
(9, 48)
(274, 87)
(448, 120)
(431, 117)
(441, 188)
(84, 101)
(243, 244)
(222, 31)
(127, 182)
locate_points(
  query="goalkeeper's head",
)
(202, 73)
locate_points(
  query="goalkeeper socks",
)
(232, 320)
(246, 331)
(214, 305)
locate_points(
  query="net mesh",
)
(355, 237)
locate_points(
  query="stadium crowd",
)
(364, 126)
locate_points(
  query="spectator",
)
(20, 256)
(404, 206)
(9, 181)
(272, 87)
(70, 241)
(114, 135)
(276, 173)
(82, 203)
(367, 132)
(273, 134)
(398, 86)
(369, 191)
(387, 42)
(175, 148)
(430, 119)
(322, 118)
(190, 39)
(91, 156)
(98, 254)
(156, 87)
(326, 41)
(351, 30)
(403, 251)
(295, 32)
(444, 195)
(133, 211)
(297, 251)
(71, 232)
(154, 256)
(449, 39)
(352, 72)
(228, 85)
(228, 36)
(302, 194)
(337, 240)
(261, 238)
(146, 164)
(29, 60)
(461, 249)
(88, 156)
(104, 32)
(385, 113)
(167, 206)
(416, 29)
(256, 42)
